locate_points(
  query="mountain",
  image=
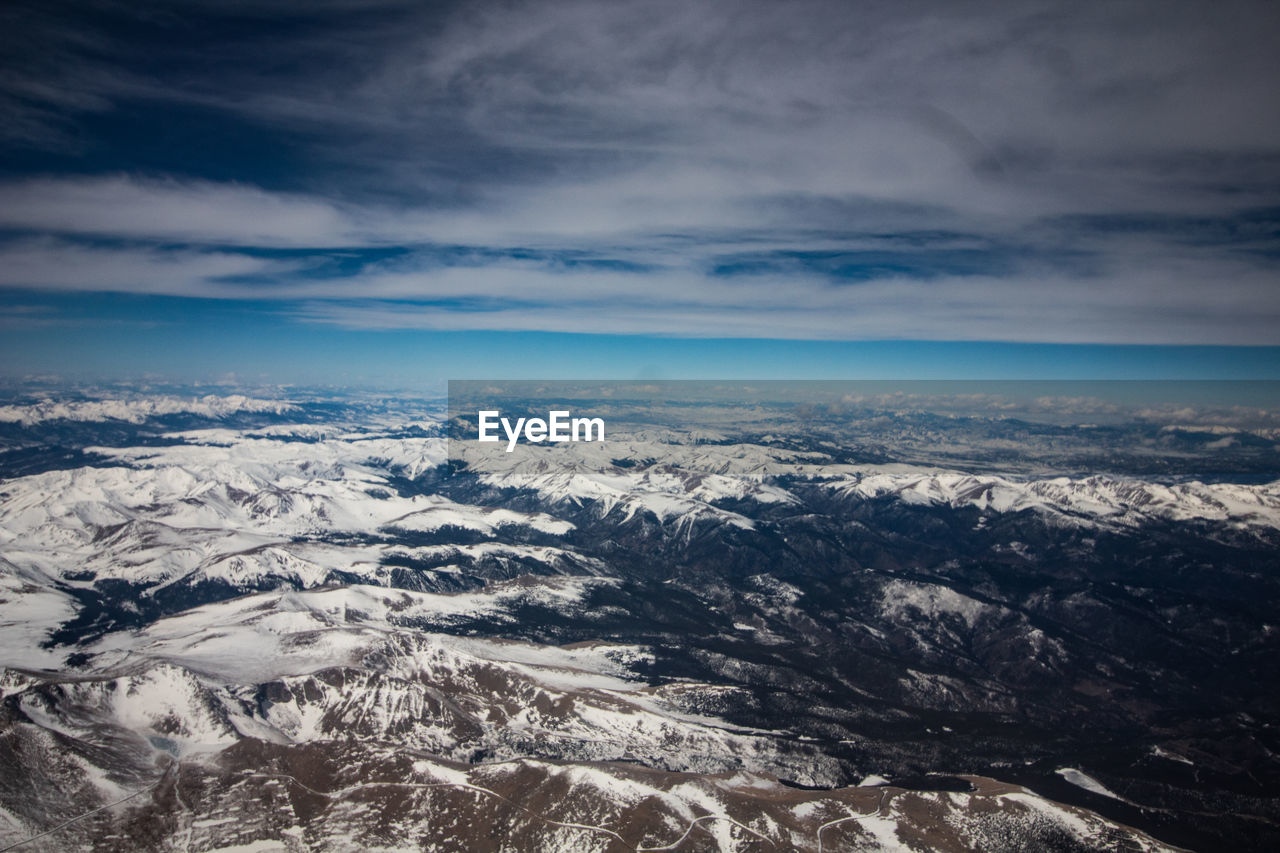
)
(321, 624)
(324, 719)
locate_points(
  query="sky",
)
(385, 191)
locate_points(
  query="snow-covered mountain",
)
(693, 483)
(323, 705)
(137, 409)
(314, 626)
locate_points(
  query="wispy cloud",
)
(171, 210)
(977, 308)
(58, 265)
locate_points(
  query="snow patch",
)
(1083, 780)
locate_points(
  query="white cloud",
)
(58, 265)
(1138, 295)
(195, 211)
(975, 308)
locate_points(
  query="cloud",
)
(1044, 171)
(975, 107)
(982, 108)
(47, 264)
(1164, 304)
(1141, 291)
(171, 210)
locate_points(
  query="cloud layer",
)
(966, 171)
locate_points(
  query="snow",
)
(235, 509)
(1069, 820)
(187, 682)
(439, 772)
(622, 790)
(165, 704)
(1171, 756)
(906, 600)
(808, 809)
(692, 479)
(442, 512)
(139, 409)
(884, 834)
(29, 610)
(259, 637)
(683, 490)
(598, 666)
(1083, 780)
(13, 827)
(1084, 826)
(1099, 499)
(245, 508)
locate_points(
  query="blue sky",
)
(399, 192)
